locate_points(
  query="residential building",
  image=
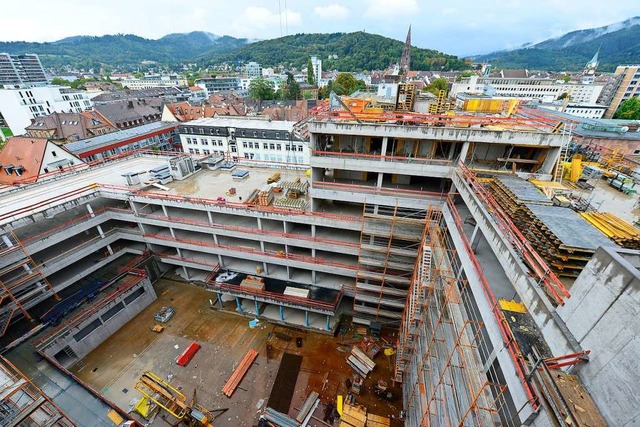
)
(316, 64)
(237, 138)
(197, 94)
(20, 106)
(130, 113)
(66, 127)
(219, 84)
(587, 111)
(162, 136)
(27, 160)
(628, 87)
(253, 70)
(20, 70)
(154, 80)
(163, 94)
(527, 88)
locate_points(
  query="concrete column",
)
(259, 223)
(464, 151)
(261, 245)
(452, 148)
(220, 260)
(186, 272)
(282, 313)
(265, 270)
(313, 230)
(7, 241)
(210, 217)
(288, 272)
(239, 304)
(100, 232)
(328, 322)
(257, 307)
(110, 250)
(215, 239)
(285, 227)
(133, 207)
(383, 150)
(380, 178)
(90, 210)
(306, 318)
(313, 277)
(220, 300)
(165, 211)
(173, 233)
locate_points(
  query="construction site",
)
(436, 269)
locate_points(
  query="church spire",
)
(591, 66)
(405, 60)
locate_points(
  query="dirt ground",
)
(115, 366)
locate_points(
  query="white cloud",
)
(257, 22)
(333, 11)
(387, 9)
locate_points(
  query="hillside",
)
(343, 51)
(618, 43)
(123, 49)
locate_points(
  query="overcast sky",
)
(454, 26)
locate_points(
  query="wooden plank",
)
(239, 373)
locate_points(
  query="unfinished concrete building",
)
(391, 225)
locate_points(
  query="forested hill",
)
(339, 51)
(618, 44)
(123, 50)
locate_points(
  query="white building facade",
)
(316, 63)
(148, 82)
(238, 139)
(19, 106)
(253, 70)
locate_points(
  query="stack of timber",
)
(615, 228)
(377, 421)
(253, 282)
(265, 196)
(308, 408)
(561, 236)
(273, 178)
(512, 193)
(353, 416)
(239, 373)
(279, 419)
(299, 204)
(360, 362)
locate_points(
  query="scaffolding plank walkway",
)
(239, 373)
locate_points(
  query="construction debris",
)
(279, 419)
(360, 362)
(255, 283)
(353, 416)
(239, 373)
(299, 204)
(614, 227)
(307, 409)
(164, 314)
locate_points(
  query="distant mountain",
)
(343, 51)
(619, 43)
(124, 49)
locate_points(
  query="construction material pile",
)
(237, 376)
(299, 204)
(253, 282)
(614, 227)
(295, 185)
(265, 195)
(360, 362)
(564, 240)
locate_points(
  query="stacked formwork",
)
(443, 347)
(389, 242)
(22, 283)
(24, 404)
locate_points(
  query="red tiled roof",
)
(22, 151)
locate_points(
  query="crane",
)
(174, 402)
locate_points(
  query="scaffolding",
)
(22, 283)
(440, 357)
(389, 242)
(24, 404)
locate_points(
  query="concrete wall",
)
(603, 313)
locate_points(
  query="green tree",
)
(436, 86)
(464, 74)
(563, 96)
(138, 75)
(262, 89)
(291, 88)
(566, 78)
(60, 82)
(311, 78)
(347, 84)
(323, 92)
(629, 109)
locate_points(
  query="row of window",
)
(205, 141)
(274, 157)
(270, 146)
(216, 131)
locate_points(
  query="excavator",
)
(174, 402)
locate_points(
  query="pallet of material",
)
(357, 366)
(265, 196)
(295, 185)
(273, 178)
(296, 292)
(377, 421)
(239, 373)
(353, 416)
(615, 228)
(255, 283)
(279, 419)
(308, 407)
(299, 204)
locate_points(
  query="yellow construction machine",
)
(174, 402)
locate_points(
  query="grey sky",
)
(454, 26)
